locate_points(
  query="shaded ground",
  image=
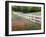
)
(23, 26)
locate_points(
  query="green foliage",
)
(35, 9)
(26, 9)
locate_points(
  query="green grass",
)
(34, 26)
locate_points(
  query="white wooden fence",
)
(33, 18)
(36, 19)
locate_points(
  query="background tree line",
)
(26, 9)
